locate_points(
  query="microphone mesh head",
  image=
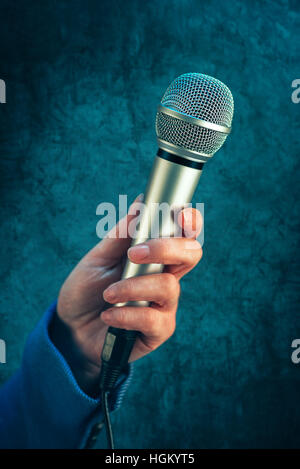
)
(202, 97)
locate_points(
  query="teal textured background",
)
(83, 82)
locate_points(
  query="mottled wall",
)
(83, 81)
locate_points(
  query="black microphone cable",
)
(114, 358)
(107, 422)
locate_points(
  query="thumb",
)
(191, 222)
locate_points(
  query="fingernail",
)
(110, 292)
(188, 217)
(191, 222)
(140, 198)
(106, 315)
(139, 252)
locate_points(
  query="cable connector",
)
(115, 355)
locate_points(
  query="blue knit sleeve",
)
(42, 406)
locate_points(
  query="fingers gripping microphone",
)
(192, 123)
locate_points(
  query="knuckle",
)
(199, 252)
(171, 285)
(195, 253)
(171, 328)
(150, 321)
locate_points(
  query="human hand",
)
(79, 329)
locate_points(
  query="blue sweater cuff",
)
(58, 413)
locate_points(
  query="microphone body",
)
(193, 121)
(173, 181)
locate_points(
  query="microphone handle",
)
(173, 180)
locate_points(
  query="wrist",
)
(85, 372)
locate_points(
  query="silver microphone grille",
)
(195, 116)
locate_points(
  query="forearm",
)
(42, 406)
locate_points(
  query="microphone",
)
(193, 121)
